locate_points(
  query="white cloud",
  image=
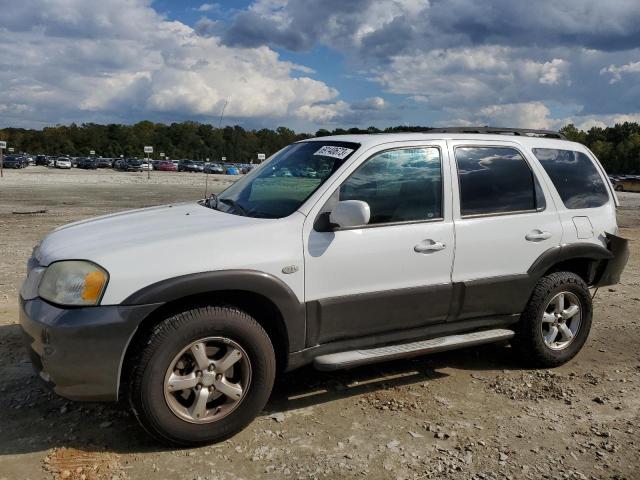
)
(512, 115)
(616, 72)
(371, 103)
(323, 113)
(208, 7)
(343, 113)
(474, 77)
(585, 122)
(121, 61)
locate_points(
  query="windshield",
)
(280, 185)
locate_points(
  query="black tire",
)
(529, 344)
(165, 341)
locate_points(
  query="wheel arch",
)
(267, 299)
(583, 259)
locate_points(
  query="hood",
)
(130, 230)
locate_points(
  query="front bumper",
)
(79, 351)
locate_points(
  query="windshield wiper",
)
(236, 206)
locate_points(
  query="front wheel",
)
(556, 321)
(202, 376)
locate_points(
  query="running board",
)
(353, 358)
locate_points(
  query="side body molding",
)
(268, 286)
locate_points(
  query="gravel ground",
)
(470, 414)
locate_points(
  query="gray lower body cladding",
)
(78, 352)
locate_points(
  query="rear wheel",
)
(556, 322)
(201, 376)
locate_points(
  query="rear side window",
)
(575, 177)
(496, 180)
(401, 185)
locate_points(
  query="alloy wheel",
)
(561, 320)
(207, 380)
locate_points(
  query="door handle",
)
(429, 245)
(538, 235)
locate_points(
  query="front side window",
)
(399, 185)
(495, 180)
(575, 177)
(279, 186)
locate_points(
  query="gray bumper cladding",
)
(336, 361)
(613, 267)
(78, 351)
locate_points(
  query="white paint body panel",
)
(145, 246)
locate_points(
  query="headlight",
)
(73, 282)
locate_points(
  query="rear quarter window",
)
(574, 176)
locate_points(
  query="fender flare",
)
(292, 310)
(561, 253)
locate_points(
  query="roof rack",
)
(525, 132)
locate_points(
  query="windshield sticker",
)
(335, 152)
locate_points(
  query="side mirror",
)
(350, 213)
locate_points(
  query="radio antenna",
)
(206, 174)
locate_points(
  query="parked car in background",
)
(104, 162)
(14, 161)
(213, 168)
(232, 170)
(62, 162)
(144, 165)
(131, 165)
(42, 160)
(626, 183)
(87, 163)
(166, 166)
(190, 166)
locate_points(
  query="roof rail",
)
(526, 132)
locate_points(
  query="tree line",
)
(617, 147)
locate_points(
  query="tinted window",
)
(495, 180)
(575, 177)
(399, 185)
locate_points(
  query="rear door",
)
(504, 219)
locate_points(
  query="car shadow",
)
(33, 419)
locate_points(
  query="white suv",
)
(337, 251)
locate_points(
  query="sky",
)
(310, 64)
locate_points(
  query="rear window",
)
(575, 177)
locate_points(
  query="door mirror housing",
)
(350, 213)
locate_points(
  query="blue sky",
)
(310, 64)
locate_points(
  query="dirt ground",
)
(469, 414)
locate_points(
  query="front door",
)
(394, 273)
